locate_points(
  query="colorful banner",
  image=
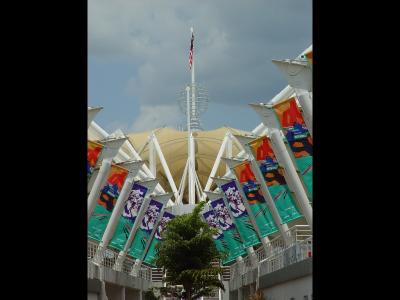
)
(258, 206)
(106, 202)
(157, 239)
(274, 178)
(299, 139)
(94, 151)
(240, 215)
(220, 243)
(143, 234)
(231, 234)
(128, 216)
(309, 57)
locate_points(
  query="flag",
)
(191, 52)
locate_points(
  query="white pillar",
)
(191, 170)
(306, 106)
(165, 167)
(122, 254)
(138, 262)
(213, 196)
(264, 240)
(110, 149)
(133, 168)
(252, 255)
(291, 175)
(283, 228)
(183, 182)
(123, 293)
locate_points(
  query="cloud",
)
(235, 41)
(156, 116)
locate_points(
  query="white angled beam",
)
(216, 165)
(138, 262)
(110, 149)
(284, 159)
(152, 157)
(183, 182)
(165, 167)
(297, 73)
(283, 228)
(228, 153)
(264, 240)
(92, 112)
(305, 101)
(291, 175)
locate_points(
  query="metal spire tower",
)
(193, 102)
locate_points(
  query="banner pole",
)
(133, 168)
(110, 150)
(294, 181)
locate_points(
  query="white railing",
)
(108, 258)
(295, 253)
(297, 236)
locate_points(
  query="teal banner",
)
(255, 199)
(157, 239)
(143, 234)
(231, 234)
(273, 175)
(127, 219)
(105, 204)
(240, 215)
(219, 238)
(299, 139)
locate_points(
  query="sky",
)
(138, 55)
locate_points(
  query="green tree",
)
(187, 253)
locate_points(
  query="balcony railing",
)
(107, 258)
(278, 253)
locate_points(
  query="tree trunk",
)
(188, 289)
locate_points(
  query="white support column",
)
(110, 149)
(283, 228)
(150, 185)
(216, 165)
(123, 293)
(306, 106)
(250, 250)
(133, 168)
(152, 157)
(122, 254)
(264, 240)
(92, 112)
(191, 170)
(138, 262)
(165, 167)
(183, 182)
(291, 175)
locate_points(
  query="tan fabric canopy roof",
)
(174, 146)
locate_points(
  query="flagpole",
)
(191, 109)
